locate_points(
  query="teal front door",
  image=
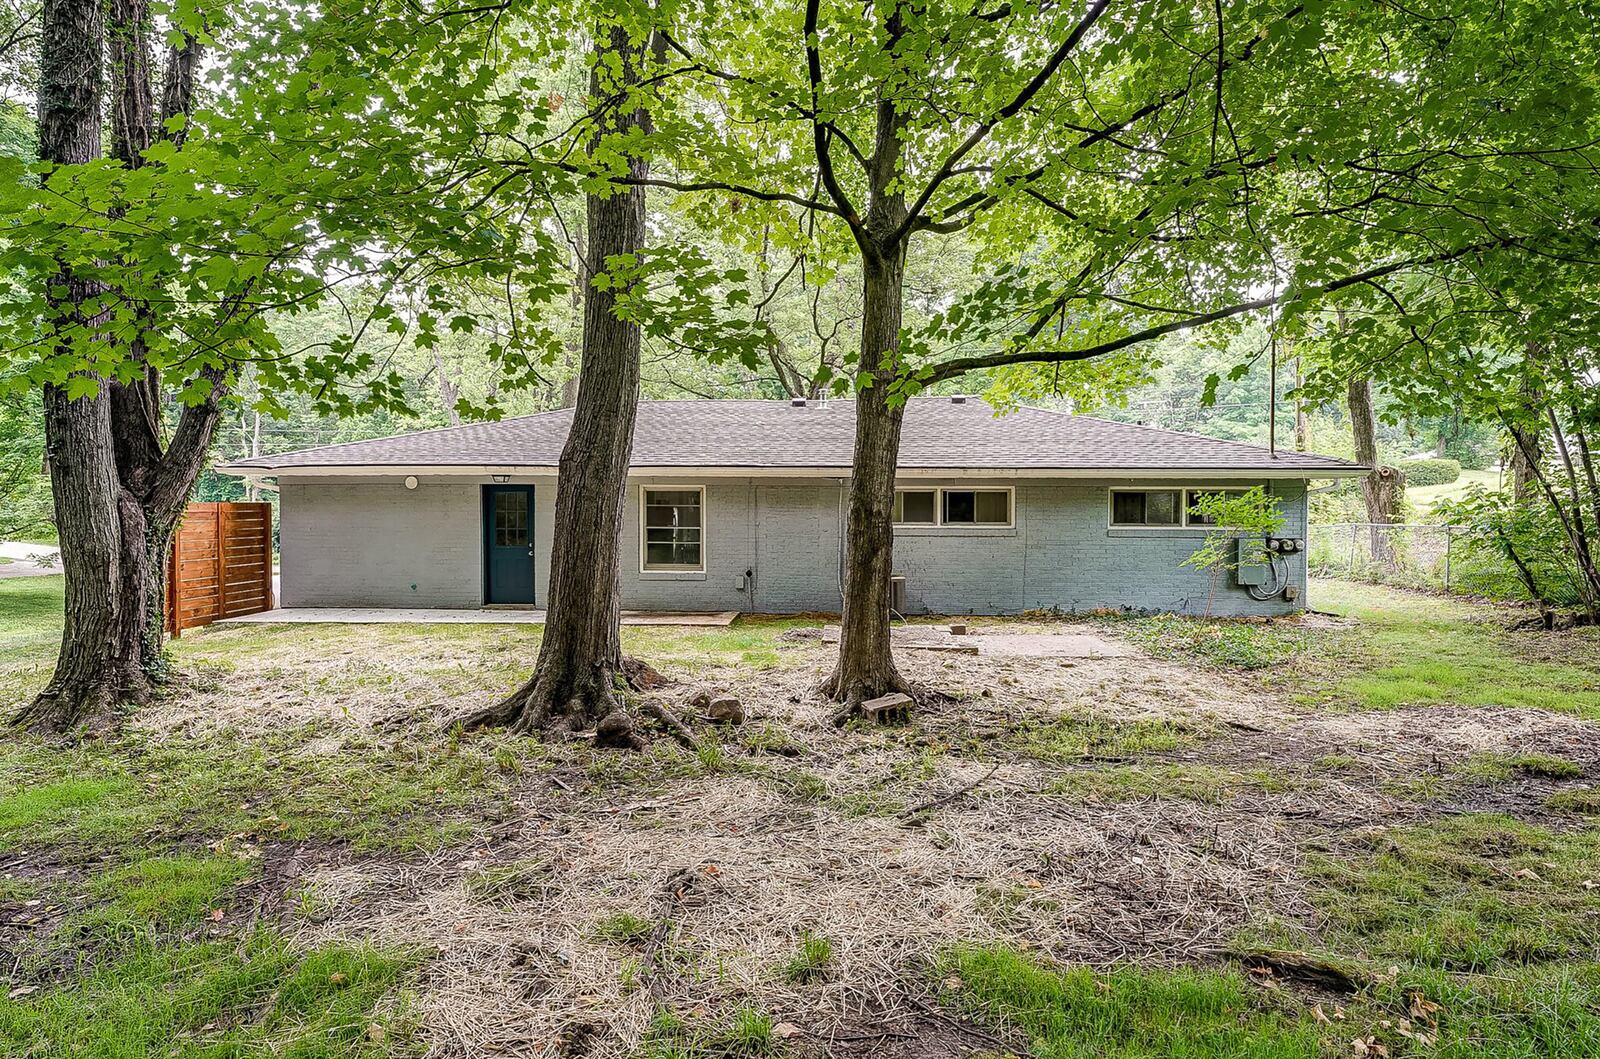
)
(508, 543)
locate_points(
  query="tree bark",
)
(1527, 450)
(90, 678)
(1383, 486)
(119, 491)
(865, 668)
(574, 684)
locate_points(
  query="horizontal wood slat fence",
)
(220, 566)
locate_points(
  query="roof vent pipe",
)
(959, 399)
(797, 402)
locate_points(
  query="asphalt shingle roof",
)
(939, 434)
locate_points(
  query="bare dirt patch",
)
(732, 858)
(819, 843)
(1085, 882)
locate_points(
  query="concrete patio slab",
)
(998, 642)
(440, 616)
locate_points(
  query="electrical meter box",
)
(1251, 572)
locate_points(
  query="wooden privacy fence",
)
(220, 566)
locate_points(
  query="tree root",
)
(89, 708)
(1549, 620)
(675, 728)
(537, 708)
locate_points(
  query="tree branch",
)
(1020, 100)
(952, 368)
(820, 134)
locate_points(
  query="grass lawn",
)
(1424, 497)
(1418, 649)
(294, 853)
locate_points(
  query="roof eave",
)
(480, 470)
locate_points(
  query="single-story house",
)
(740, 504)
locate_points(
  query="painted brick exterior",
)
(771, 545)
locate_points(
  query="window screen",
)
(511, 519)
(913, 507)
(977, 507)
(1146, 507)
(672, 529)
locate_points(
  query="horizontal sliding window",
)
(953, 507)
(672, 529)
(1147, 507)
(1162, 507)
(977, 507)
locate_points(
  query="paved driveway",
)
(26, 559)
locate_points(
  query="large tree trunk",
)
(118, 492)
(574, 685)
(90, 678)
(1383, 488)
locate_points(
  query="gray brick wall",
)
(366, 543)
(378, 544)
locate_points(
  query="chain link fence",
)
(1415, 555)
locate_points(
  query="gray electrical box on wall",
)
(1250, 573)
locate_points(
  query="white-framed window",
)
(984, 508)
(1162, 508)
(916, 507)
(672, 528)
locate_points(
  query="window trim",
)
(939, 523)
(644, 566)
(1184, 492)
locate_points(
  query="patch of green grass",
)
(1219, 643)
(256, 996)
(52, 802)
(1584, 802)
(1128, 1013)
(1519, 1013)
(139, 794)
(803, 785)
(1194, 783)
(1546, 766)
(1214, 1013)
(1078, 737)
(1468, 893)
(769, 738)
(1424, 497)
(622, 928)
(746, 644)
(747, 1034)
(160, 893)
(1336, 763)
(1499, 767)
(1414, 650)
(30, 631)
(810, 962)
